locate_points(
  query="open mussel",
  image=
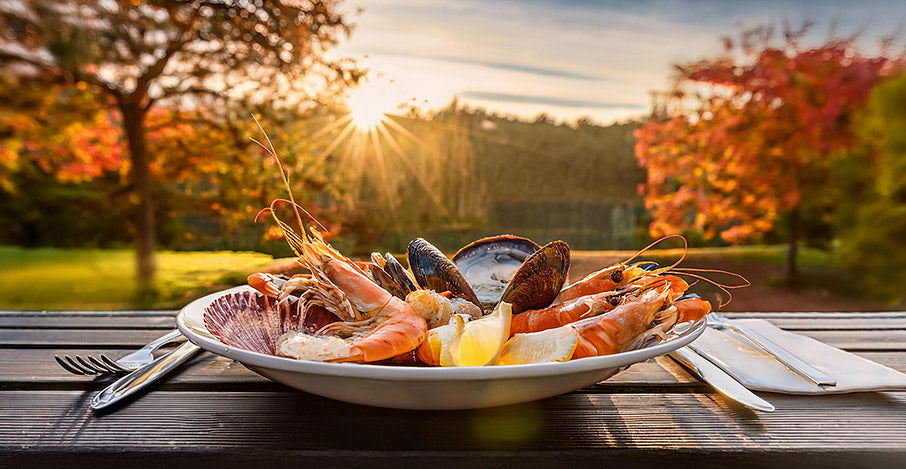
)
(433, 271)
(390, 275)
(540, 278)
(490, 270)
(489, 264)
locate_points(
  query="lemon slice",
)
(478, 342)
(552, 345)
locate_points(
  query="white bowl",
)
(410, 387)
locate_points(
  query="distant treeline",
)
(451, 177)
(489, 174)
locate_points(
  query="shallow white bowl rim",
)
(190, 322)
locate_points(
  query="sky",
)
(568, 58)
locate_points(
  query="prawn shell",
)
(249, 321)
(433, 271)
(540, 278)
(489, 264)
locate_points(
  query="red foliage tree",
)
(733, 146)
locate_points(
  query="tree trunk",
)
(792, 269)
(140, 175)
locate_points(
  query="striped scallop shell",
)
(250, 321)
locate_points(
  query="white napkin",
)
(755, 369)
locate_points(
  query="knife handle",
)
(138, 379)
(693, 358)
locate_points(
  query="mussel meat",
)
(489, 264)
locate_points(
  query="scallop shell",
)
(250, 321)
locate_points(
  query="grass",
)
(775, 254)
(48, 278)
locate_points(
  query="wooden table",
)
(214, 411)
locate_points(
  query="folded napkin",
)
(757, 370)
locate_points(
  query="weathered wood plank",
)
(166, 321)
(77, 338)
(36, 369)
(88, 322)
(811, 315)
(162, 319)
(295, 421)
(657, 458)
(860, 339)
(113, 338)
(753, 314)
(57, 313)
(841, 324)
(24, 368)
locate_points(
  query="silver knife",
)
(138, 379)
(718, 379)
(781, 354)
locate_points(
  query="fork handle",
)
(138, 379)
(162, 340)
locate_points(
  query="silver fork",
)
(102, 365)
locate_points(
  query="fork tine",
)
(89, 366)
(112, 365)
(68, 367)
(75, 364)
(98, 365)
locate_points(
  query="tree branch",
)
(144, 81)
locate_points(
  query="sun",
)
(369, 104)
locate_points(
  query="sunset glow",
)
(369, 104)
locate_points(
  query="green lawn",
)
(48, 278)
(45, 278)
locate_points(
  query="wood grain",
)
(213, 411)
(298, 421)
(77, 338)
(113, 338)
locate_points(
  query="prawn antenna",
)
(655, 243)
(694, 273)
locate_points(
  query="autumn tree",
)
(142, 55)
(741, 140)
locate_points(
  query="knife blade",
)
(138, 379)
(723, 383)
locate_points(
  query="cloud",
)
(529, 56)
(511, 67)
(548, 100)
(531, 70)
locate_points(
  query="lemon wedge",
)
(435, 350)
(552, 345)
(478, 342)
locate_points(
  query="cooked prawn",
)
(589, 305)
(626, 325)
(377, 326)
(617, 275)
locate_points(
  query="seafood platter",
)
(497, 323)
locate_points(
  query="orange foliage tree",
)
(738, 140)
(66, 132)
(141, 55)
